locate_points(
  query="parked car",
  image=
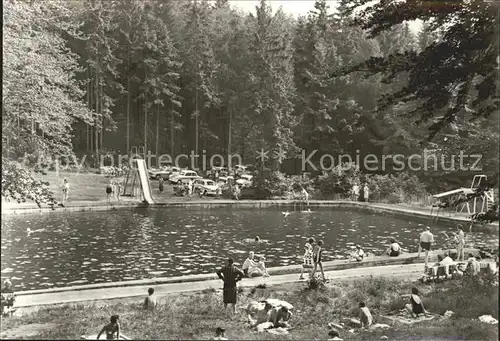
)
(245, 180)
(206, 187)
(222, 171)
(164, 172)
(223, 181)
(239, 169)
(183, 175)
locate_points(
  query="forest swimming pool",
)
(75, 248)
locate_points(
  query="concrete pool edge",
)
(375, 261)
(411, 212)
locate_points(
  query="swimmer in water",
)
(257, 239)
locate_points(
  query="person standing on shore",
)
(109, 191)
(308, 257)
(160, 184)
(318, 252)
(65, 191)
(426, 241)
(230, 275)
(355, 192)
(305, 196)
(366, 192)
(460, 240)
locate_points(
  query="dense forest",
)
(92, 77)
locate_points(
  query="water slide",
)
(455, 191)
(144, 179)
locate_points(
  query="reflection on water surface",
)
(91, 247)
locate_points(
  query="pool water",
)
(74, 248)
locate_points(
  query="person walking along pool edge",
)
(318, 251)
(230, 275)
(426, 240)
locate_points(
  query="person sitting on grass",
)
(365, 317)
(111, 329)
(150, 302)
(394, 249)
(358, 255)
(415, 307)
(334, 335)
(219, 334)
(473, 266)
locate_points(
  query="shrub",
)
(339, 181)
(270, 184)
(395, 189)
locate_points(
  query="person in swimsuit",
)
(160, 184)
(415, 307)
(111, 329)
(426, 240)
(359, 254)
(460, 240)
(249, 262)
(305, 196)
(394, 249)
(365, 317)
(150, 302)
(219, 334)
(317, 260)
(308, 257)
(65, 191)
(8, 297)
(109, 191)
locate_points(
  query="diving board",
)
(144, 180)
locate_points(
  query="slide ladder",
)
(138, 174)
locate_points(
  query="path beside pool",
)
(407, 266)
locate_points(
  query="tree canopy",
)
(452, 79)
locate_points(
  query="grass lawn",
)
(195, 316)
(92, 187)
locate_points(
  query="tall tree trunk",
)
(102, 116)
(146, 123)
(157, 132)
(97, 108)
(172, 130)
(91, 106)
(196, 116)
(229, 134)
(128, 103)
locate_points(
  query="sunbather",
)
(415, 307)
(359, 254)
(150, 302)
(334, 335)
(394, 249)
(219, 334)
(447, 260)
(248, 263)
(473, 266)
(111, 329)
(365, 316)
(258, 268)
